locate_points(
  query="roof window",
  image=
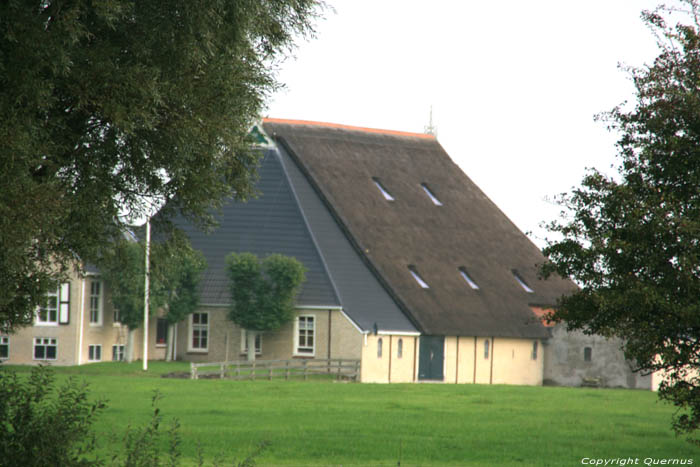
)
(431, 195)
(522, 283)
(418, 278)
(381, 188)
(466, 277)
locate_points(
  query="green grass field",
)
(328, 423)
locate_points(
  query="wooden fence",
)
(337, 368)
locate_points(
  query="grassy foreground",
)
(326, 423)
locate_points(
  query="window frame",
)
(120, 352)
(198, 327)
(99, 299)
(244, 342)
(588, 354)
(48, 321)
(299, 350)
(5, 342)
(160, 321)
(535, 348)
(45, 342)
(95, 353)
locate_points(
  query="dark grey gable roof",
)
(271, 223)
(364, 299)
(467, 230)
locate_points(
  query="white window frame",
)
(244, 342)
(48, 321)
(306, 350)
(44, 342)
(120, 350)
(95, 351)
(5, 342)
(96, 299)
(116, 318)
(200, 327)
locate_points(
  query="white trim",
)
(94, 346)
(100, 304)
(190, 334)
(318, 307)
(295, 349)
(7, 343)
(359, 329)
(43, 344)
(398, 333)
(82, 321)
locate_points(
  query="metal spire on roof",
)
(430, 128)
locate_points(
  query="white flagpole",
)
(145, 296)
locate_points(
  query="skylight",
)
(430, 194)
(522, 283)
(381, 188)
(469, 280)
(418, 278)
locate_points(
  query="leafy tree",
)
(263, 292)
(124, 105)
(633, 242)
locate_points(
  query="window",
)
(117, 353)
(534, 350)
(161, 331)
(486, 349)
(4, 347)
(244, 342)
(94, 353)
(399, 349)
(55, 309)
(199, 331)
(96, 303)
(465, 276)
(117, 317)
(45, 348)
(417, 277)
(522, 283)
(384, 192)
(380, 344)
(431, 195)
(587, 354)
(305, 335)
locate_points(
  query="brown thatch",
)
(467, 231)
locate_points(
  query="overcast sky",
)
(514, 85)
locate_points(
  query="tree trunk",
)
(169, 357)
(251, 345)
(129, 351)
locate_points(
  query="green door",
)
(431, 358)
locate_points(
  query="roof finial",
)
(430, 128)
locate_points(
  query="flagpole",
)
(145, 295)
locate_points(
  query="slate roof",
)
(271, 223)
(341, 163)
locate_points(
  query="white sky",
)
(514, 85)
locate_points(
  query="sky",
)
(514, 86)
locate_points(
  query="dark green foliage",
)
(633, 242)
(42, 425)
(110, 108)
(263, 292)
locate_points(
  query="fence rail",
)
(337, 368)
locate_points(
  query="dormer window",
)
(385, 193)
(522, 283)
(465, 276)
(431, 195)
(418, 278)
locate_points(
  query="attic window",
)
(466, 277)
(418, 278)
(430, 194)
(381, 188)
(522, 283)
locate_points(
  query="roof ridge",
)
(341, 126)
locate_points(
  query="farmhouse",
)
(411, 269)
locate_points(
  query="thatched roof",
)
(345, 164)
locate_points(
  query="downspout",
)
(82, 320)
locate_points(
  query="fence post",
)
(221, 371)
(270, 371)
(286, 371)
(305, 368)
(193, 371)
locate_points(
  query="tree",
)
(633, 242)
(125, 106)
(262, 292)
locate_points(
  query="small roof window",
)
(417, 277)
(466, 277)
(522, 283)
(383, 190)
(431, 195)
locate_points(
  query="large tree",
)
(262, 292)
(632, 241)
(108, 108)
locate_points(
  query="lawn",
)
(329, 423)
